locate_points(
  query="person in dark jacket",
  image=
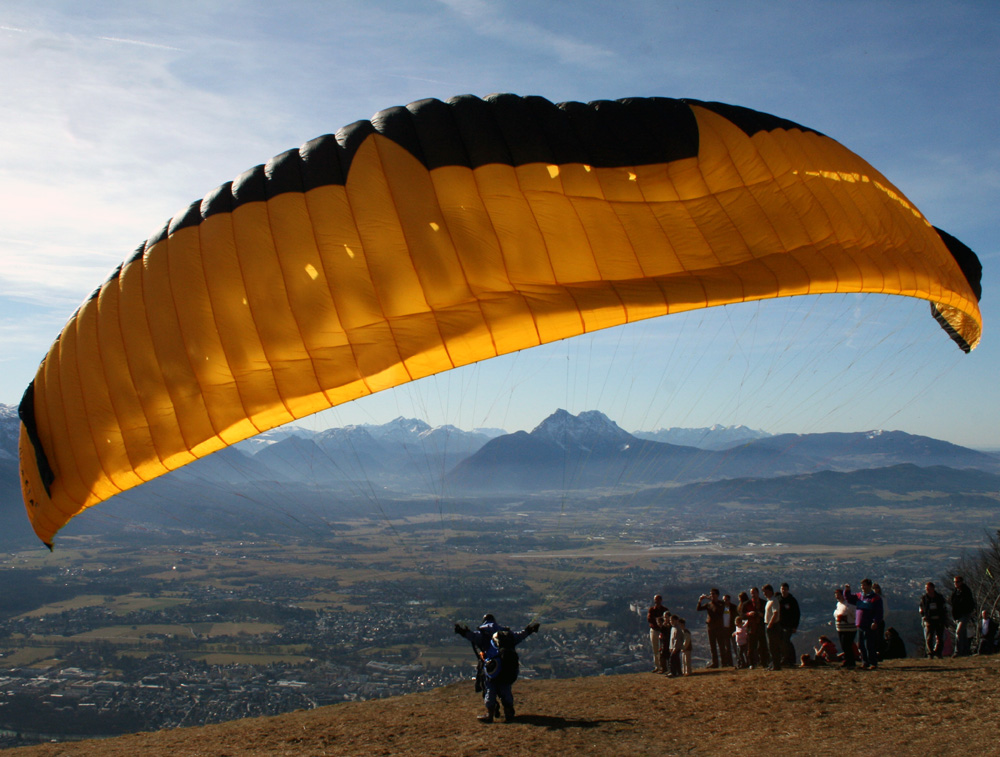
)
(500, 669)
(653, 616)
(934, 613)
(715, 623)
(987, 634)
(882, 635)
(772, 628)
(752, 611)
(730, 613)
(790, 617)
(482, 636)
(963, 610)
(868, 607)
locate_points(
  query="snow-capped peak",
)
(399, 429)
(10, 429)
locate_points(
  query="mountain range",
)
(711, 437)
(590, 451)
(296, 470)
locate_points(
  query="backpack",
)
(510, 664)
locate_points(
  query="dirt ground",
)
(907, 707)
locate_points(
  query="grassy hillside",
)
(909, 707)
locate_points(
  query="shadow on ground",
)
(554, 723)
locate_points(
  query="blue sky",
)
(114, 115)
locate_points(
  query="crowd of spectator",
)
(756, 631)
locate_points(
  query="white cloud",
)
(139, 42)
(102, 143)
(486, 18)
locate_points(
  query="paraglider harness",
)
(485, 633)
(506, 658)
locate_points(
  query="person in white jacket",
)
(844, 619)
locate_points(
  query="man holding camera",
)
(715, 622)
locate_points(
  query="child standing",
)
(742, 639)
(676, 646)
(685, 649)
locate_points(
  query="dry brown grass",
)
(908, 707)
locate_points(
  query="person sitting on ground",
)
(825, 653)
(500, 669)
(895, 649)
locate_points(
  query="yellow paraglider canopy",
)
(445, 233)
